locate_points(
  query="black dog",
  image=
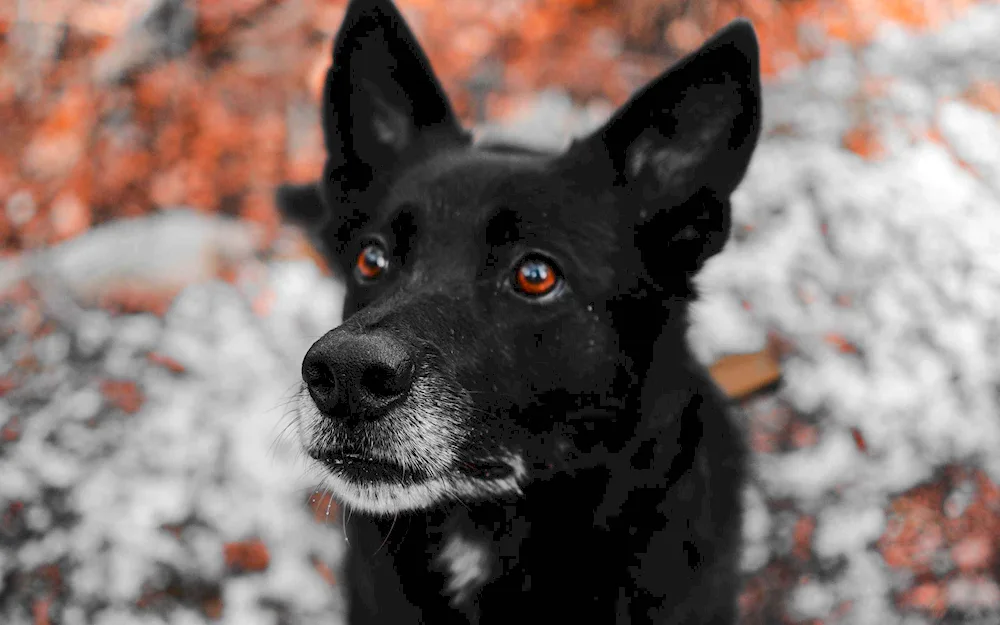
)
(510, 409)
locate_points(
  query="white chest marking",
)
(467, 565)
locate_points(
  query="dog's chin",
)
(383, 489)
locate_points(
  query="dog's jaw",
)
(384, 498)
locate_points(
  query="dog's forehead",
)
(464, 186)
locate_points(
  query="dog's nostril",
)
(404, 376)
(318, 375)
(382, 379)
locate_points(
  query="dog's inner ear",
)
(391, 126)
(683, 143)
(381, 95)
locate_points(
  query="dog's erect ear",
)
(301, 204)
(681, 145)
(381, 98)
(693, 127)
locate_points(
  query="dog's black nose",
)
(357, 375)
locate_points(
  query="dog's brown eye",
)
(371, 263)
(535, 277)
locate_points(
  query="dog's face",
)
(497, 299)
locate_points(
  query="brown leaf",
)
(11, 431)
(859, 440)
(325, 572)
(124, 394)
(251, 555)
(324, 507)
(165, 361)
(863, 141)
(213, 608)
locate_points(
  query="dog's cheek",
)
(588, 352)
(569, 354)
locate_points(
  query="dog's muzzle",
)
(391, 432)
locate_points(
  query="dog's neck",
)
(669, 359)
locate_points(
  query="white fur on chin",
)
(386, 498)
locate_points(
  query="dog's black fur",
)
(513, 458)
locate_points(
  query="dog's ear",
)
(681, 145)
(381, 101)
(302, 205)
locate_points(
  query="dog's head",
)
(498, 299)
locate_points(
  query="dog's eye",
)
(535, 277)
(372, 262)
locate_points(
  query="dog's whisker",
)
(387, 534)
(280, 438)
(329, 503)
(288, 399)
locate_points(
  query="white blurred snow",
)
(206, 444)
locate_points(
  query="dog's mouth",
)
(486, 469)
(359, 467)
(363, 468)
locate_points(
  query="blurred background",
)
(154, 312)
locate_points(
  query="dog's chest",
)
(467, 565)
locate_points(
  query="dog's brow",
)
(498, 226)
(403, 224)
(504, 224)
